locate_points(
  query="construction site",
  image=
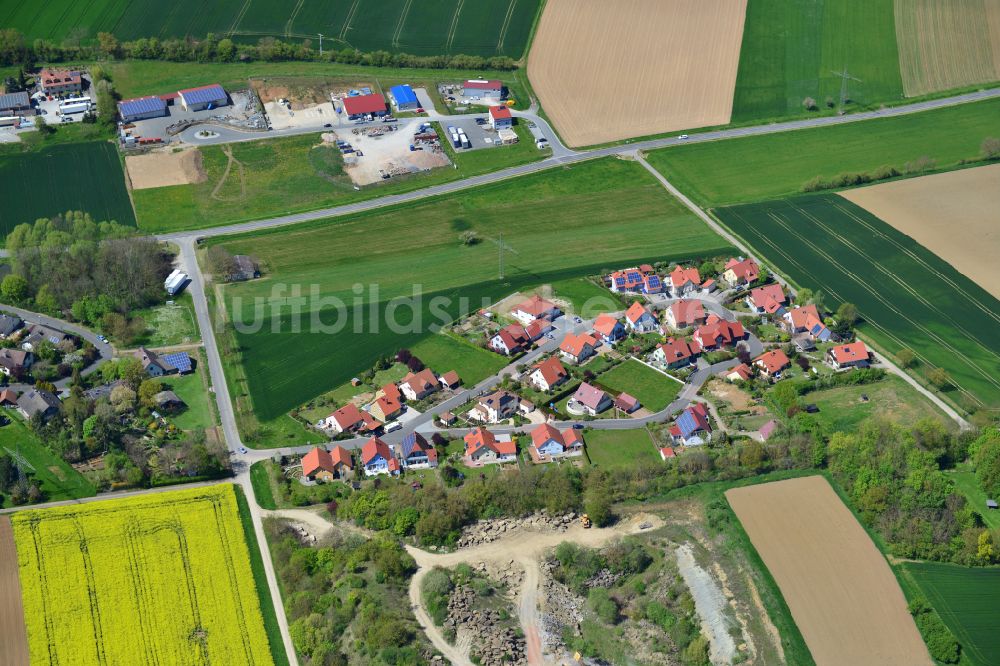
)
(376, 153)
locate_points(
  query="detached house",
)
(740, 373)
(769, 299)
(9, 325)
(450, 380)
(376, 458)
(37, 401)
(38, 334)
(483, 448)
(628, 281)
(548, 374)
(510, 340)
(684, 314)
(534, 308)
(496, 407)
(578, 348)
(591, 400)
(692, 427)
(851, 355)
(741, 272)
(806, 319)
(676, 353)
(15, 361)
(322, 465)
(548, 443)
(684, 281)
(772, 363)
(608, 329)
(717, 333)
(640, 319)
(385, 408)
(419, 385)
(349, 419)
(415, 453)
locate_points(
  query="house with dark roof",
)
(626, 281)
(38, 334)
(692, 427)
(376, 458)
(496, 407)
(15, 362)
(16, 104)
(548, 443)
(244, 268)
(203, 97)
(168, 401)
(9, 324)
(38, 401)
(590, 399)
(415, 453)
(152, 363)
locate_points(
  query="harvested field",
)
(610, 71)
(947, 44)
(14, 646)
(164, 168)
(954, 215)
(840, 590)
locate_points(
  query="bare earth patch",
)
(606, 71)
(840, 590)
(162, 168)
(955, 215)
(14, 641)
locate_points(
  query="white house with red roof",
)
(608, 328)
(534, 308)
(772, 363)
(740, 373)
(627, 281)
(769, 299)
(851, 355)
(638, 318)
(510, 340)
(346, 419)
(667, 452)
(548, 443)
(578, 348)
(548, 374)
(419, 385)
(590, 399)
(740, 272)
(685, 313)
(385, 408)
(684, 281)
(482, 447)
(717, 333)
(806, 319)
(675, 353)
(377, 458)
(500, 118)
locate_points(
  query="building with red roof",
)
(548, 443)
(345, 419)
(548, 374)
(501, 118)
(59, 81)
(608, 328)
(627, 403)
(740, 373)
(415, 453)
(806, 319)
(741, 272)
(684, 281)
(639, 319)
(419, 385)
(483, 88)
(483, 448)
(359, 106)
(317, 465)
(771, 363)
(578, 348)
(534, 308)
(590, 400)
(510, 340)
(685, 313)
(769, 299)
(385, 408)
(676, 353)
(451, 380)
(692, 427)
(392, 392)
(377, 458)
(717, 333)
(629, 280)
(667, 452)
(851, 355)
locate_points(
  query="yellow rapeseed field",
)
(157, 579)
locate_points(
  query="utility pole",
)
(321, 44)
(844, 76)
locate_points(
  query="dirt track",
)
(162, 168)
(613, 70)
(842, 594)
(13, 636)
(954, 215)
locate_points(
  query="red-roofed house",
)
(608, 328)
(450, 380)
(683, 314)
(548, 374)
(414, 452)
(640, 319)
(537, 329)
(483, 448)
(534, 308)
(419, 385)
(667, 452)
(392, 392)
(769, 299)
(718, 333)
(377, 458)
(741, 272)
(59, 81)
(806, 319)
(590, 399)
(627, 403)
(482, 88)
(684, 281)
(342, 460)
(510, 340)
(548, 443)
(772, 363)
(345, 419)
(851, 355)
(495, 407)
(385, 409)
(317, 465)
(360, 106)
(676, 353)
(578, 348)
(740, 373)
(627, 281)
(500, 117)
(692, 427)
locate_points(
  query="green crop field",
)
(552, 223)
(966, 599)
(54, 179)
(159, 578)
(906, 295)
(754, 168)
(653, 389)
(792, 50)
(428, 27)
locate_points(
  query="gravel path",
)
(710, 604)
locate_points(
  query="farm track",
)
(401, 23)
(14, 646)
(239, 17)
(506, 25)
(347, 20)
(453, 28)
(292, 17)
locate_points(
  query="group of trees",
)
(15, 50)
(18, 484)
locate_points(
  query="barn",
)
(359, 106)
(491, 88)
(204, 97)
(404, 98)
(141, 108)
(15, 104)
(500, 118)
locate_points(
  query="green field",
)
(754, 168)
(193, 390)
(168, 325)
(966, 599)
(446, 352)
(54, 179)
(653, 390)
(621, 448)
(791, 50)
(58, 479)
(906, 295)
(841, 408)
(426, 28)
(551, 225)
(966, 483)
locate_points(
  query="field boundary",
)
(13, 629)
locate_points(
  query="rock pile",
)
(509, 574)
(488, 531)
(494, 644)
(562, 607)
(604, 578)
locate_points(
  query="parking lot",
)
(240, 113)
(480, 136)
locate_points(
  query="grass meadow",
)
(653, 390)
(56, 178)
(552, 223)
(164, 577)
(446, 352)
(749, 169)
(841, 408)
(966, 599)
(792, 50)
(906, 295)
(621, 448)
(428, 28)
(58, 479)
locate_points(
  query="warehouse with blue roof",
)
(204, 97)
(404, 98)
(141, 108)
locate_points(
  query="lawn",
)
(347, 324)
(260, 479)
(193, 390)
(587, 298)
(749, 169)
(964, 477)
(446, 352)
(158, 577)
(168, 325)
(58, 479)
(792, 50)
(56, 178)
(907, 297)
(841, 409)
(966, 599)
(621, 448)
(653, 389)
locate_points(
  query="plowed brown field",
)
(13, 637)
(947, 43)
(955, 215)
(606, 71)
(841, 592)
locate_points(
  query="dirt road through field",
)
(13, 635)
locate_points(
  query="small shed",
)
(991, 504)
(168, 401)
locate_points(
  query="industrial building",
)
(60, 81)
(204, 97)
(141, 108)
(491, 88)
(15, 104)
(404, 98)
(359, 106)
(500, 118)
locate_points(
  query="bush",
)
(940, 641)
(435, 590)
(603, 605)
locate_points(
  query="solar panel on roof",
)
(179, 360)
(133, 107)
(201, 95)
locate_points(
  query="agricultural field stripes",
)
(161, 578)
(78, 176)
(907, 296)
(428, 27)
